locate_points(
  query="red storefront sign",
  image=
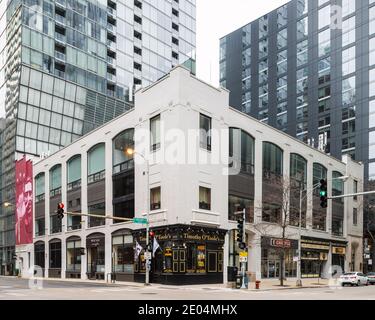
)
(24, 202)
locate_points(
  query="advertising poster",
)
(24, 204)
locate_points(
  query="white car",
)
(354, 278)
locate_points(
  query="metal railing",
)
(96, 177)
(124, 166)
(74, 185)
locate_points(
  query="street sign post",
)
(140, 220)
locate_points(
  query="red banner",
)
(24, 202)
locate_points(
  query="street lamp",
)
(7, 204)
(131, 152)
(301, 198)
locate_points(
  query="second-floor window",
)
(204, 198)
(155, 198)
(205, 126)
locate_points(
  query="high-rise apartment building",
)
(308, 68)
(68, 66)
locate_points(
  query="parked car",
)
(371, 277)
(354, 278)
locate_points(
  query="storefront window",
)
(123, 253)
(55, 255)
(201, 259)
(95, 255)
(272, 250)
(73, 255)
(39, 254)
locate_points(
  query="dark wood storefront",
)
(187, 255)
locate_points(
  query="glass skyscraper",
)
(68, 66)
(308, 68)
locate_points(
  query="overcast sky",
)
(216, 18)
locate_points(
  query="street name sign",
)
(140, 220)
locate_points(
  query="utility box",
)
(238, 282)
(232, 274)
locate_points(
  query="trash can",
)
(238, 282)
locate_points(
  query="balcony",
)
(60, 19)
(111, 77)
(111, 61)
(60, 55)
(60, 37)
(111, 11)
(111, 44)
(111, 28)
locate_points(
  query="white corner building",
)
(205, 161)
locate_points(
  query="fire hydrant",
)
(257, 284)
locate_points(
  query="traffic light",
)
(240, 229)
(151, 236)
(323, 194)
(60, 211)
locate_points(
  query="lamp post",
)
(131, 151)
(299, 271)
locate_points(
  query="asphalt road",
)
(19, 289)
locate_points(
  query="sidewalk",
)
(265, 285)
(272, 284)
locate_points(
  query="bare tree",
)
(278, 203)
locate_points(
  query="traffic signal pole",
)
(243, 264)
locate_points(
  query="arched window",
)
(74, 172)
(123, 175)
(298, 180)
(298, 169)
(73, 254)
(241, 150)
(55, 181)
(337, 184)
(122, 161)
(39, 254)
(40, 187)
(272, 159)
(241, 181)
(337, 205)
(319, 214)
(96, 163)
(273, 186)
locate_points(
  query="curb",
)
(141, 285)
(291, 288)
